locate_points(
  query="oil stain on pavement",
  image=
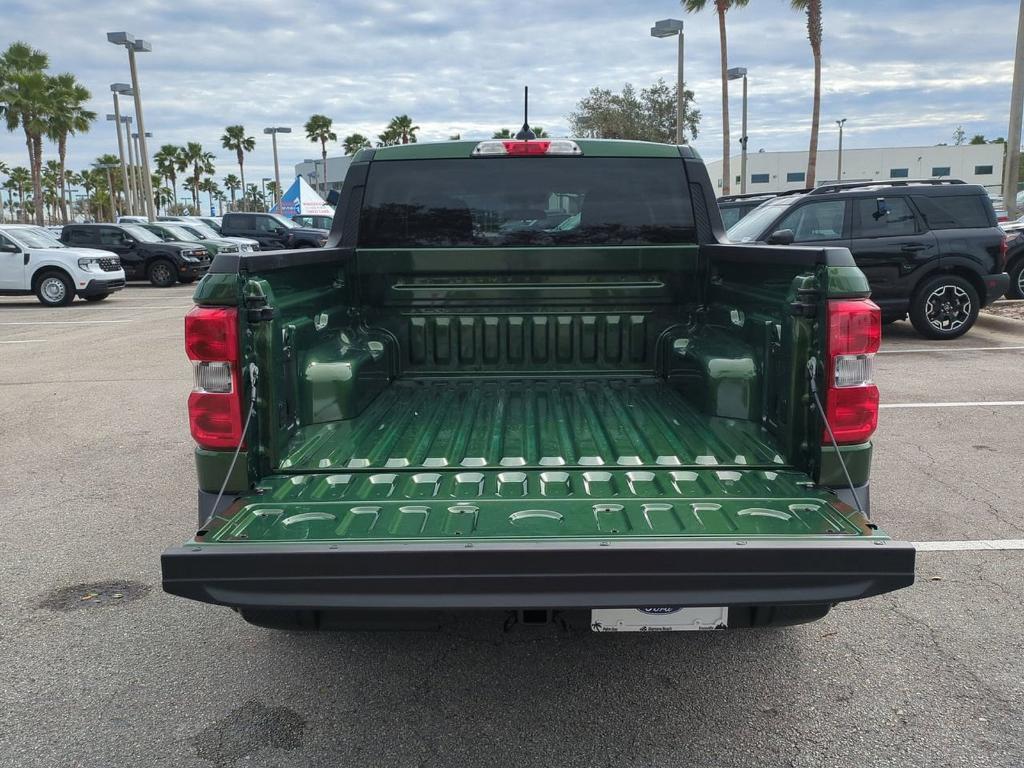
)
(249, 729)
(95, 594)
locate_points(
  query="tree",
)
(721, 7)
(19, 178)
(52, 178)
(209, 186)
(234, 138)
(25, 89)
(202, 164)
(105, 195)
(504, 133)
(813, 10)
(67, 116)
(388, 138)
(455, 137)
(232, 183)
(354, 142)
(649, 115)
(318, 129)
(401, 126)
(959, 136)
(977, 139)
(170, 161)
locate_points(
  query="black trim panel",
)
(780, 254)
(560, 574)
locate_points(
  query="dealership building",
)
(779, 171)
(312, 171)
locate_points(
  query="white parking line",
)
(961, 546)
(65, 322)
(971, 404)
(25, 341)
(944, 349)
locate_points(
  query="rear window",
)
(493, 202)
(954, 211)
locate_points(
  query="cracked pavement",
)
(98, 480)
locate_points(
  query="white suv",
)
(33, 260)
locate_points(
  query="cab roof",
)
(452, 150)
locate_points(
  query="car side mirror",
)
(333, 198)
(781, 237)
(9, 248)
(881, 209)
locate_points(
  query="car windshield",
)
(288, 223)
(200, 230)
(178, 232)
(140, 233)
(35, 237)
(751, 227)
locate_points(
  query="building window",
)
(795, 176)
(940, 170)
(759, 178)
(899, 173)
(738, 179)
(983, 170)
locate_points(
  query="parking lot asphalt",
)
(96, 479)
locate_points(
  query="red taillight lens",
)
(527, 147)
(215, 405)
(854, 335)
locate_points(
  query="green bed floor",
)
(530, 423)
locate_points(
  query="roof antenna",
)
(525, 133)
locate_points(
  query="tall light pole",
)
(737, 73)
(141, 184)
(673, 28)
(1011, 173)
(133, 175)
(839, 165)
(115, 90)
(277, 169)
(263, 184)
(138, 46)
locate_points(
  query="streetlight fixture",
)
(135, 45)
(277, 170)
(737, 73)
(671, 28)
(839, 166)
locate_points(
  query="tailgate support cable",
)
(812, 367)
(253, 377)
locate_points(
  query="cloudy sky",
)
(904, 72)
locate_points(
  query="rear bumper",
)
(995, 286)
(561, 574)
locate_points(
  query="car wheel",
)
(161, 274)
(97, 297)
(1016, 290)
(55, 289)
(944, 307)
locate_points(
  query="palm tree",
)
(67, 116)
(232, 184)
(318, 129)
(721, 7)
(402, 127)
(25, 89)
(71, 180)
(234, 138)
(209, 186)
(51, 182)
(202, 164)
(813, 10)
(354, 142)
(20, 177)
(169, 161)
(4, 170)
(162, 196)
(388, 138)
(504, 133)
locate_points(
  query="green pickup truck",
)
(531, 378)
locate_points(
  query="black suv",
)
(735, 207)
(144, 256)
(273, 232)
(929, 247)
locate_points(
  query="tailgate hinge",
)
(257, 310)
(806, 304)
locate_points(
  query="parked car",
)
(143, 255)
(999, 205)
(605, 425)
(180, 233)
(132, 220)
(209, 227)
(735, 207)
(33, 260)
(930, 248)
(273, 232)
(1015, 261)
(314, 222)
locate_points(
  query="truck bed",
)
(530, 423)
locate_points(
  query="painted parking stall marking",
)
(969, 546)
(919, 350)
(968, 404)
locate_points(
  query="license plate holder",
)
(659, 619)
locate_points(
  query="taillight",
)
(1004, 250)
(532, 147)
(854, 335)
(215, 404)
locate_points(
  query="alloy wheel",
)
(948, 308)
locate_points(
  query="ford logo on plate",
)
(661, 610)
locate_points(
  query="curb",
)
(999, 322)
